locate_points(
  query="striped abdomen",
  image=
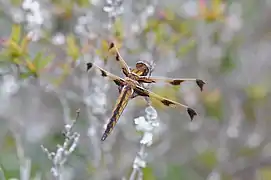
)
(122, 102)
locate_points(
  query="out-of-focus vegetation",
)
(45, 46)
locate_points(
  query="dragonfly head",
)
(144, 67)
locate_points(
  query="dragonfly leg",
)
(147, 99)
(134, 95)
(119, 88)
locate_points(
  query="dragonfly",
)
(132, 85)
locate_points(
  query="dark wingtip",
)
(104, 137)
(89, 65)
(111, 45)
(191, 113)
(200, 83)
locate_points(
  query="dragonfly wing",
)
(172, 81)
(117, 80)
(167, 102)
(125, 68)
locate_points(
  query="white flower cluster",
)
(9, 86)
(113, 8)
(34, 17)
(145, 124)
(81, 27)
(139, 24)
(63, 151)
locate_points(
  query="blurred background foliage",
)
(46, 44)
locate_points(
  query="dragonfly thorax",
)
(134, 76)
(131, 82)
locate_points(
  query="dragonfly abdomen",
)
(125, 94)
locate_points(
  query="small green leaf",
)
(24, 44)
(213, 104)
(41, 62)
(175, 172)
(16, 2)
(257, 92)
(16, 33)
(9, 142)
(118, 29)
(152, 25)
(25, 75)
(227, 62)
(15, 48)
(148, 173)
(159, 34)
(185, 49)
(30, 66)
(11, 164)
(83, 3)
(72, 48)
(15, 60)
(169, 14)
(208, 159)
(174, 39)
(4, 56)
(180, 172)
(36, 60)
(45, 61)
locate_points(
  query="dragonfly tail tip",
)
(191, 113)
(104, 137)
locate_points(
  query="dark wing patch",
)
(111, 45)
(167, 102)
(89, 66)
(171, 81)
(103, 73)
(176, 82)
(191, 113)
(200, 83)
(117, 80)
(119, 59)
